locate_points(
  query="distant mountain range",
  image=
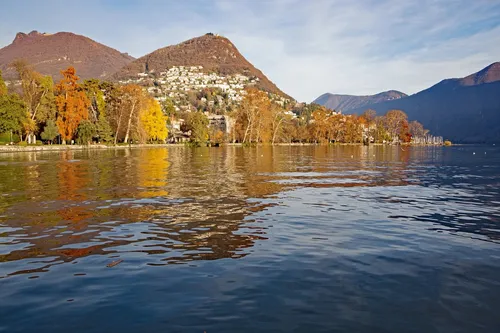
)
(349, 102)
(51, 53)
(463, 110)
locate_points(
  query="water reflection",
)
(179, 205)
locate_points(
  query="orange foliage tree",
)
(72, 104)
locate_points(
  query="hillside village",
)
(191, 89)
(177, 82)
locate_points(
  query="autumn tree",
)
(153, 121)
(353, 131)
(72, 104)
(369, 115)
(253, 116)
(404, 133)
(416, 129)
(320, 125)
(38, 97)
(132, 102)
(395, 122)
(278, 119)
(367, 120)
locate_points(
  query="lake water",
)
(265, 239)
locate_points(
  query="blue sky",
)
(306, 47)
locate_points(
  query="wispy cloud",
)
(306, 48)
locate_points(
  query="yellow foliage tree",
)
(153, 121)
(254, 117)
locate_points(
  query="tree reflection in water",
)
(176, 205)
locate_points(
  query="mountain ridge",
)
(461, 109)
(345, 102)
(51, 53)
(213, 52)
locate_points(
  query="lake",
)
(263, 239)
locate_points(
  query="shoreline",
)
(42, 148)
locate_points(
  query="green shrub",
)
(5, 137)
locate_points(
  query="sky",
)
(307, 48)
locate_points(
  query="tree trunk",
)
(129, 123)
(276, 130)
(246, 132)
(118, 126)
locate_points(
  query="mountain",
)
(463, 110)
(348, 102)
(214, 53)
(51, 53)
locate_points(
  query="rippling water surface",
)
(276, 239)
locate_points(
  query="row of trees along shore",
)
(83, 112)
(105, 112)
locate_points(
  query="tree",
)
(110, 118)
(381, 134)
(369, 115)
(169, 108)
(85, 132)
(254, 116)
(353, 132)
(12, 113)
(197, 123)
(417, 129)
(321, 124)
(103, 128)
(95, 95)
(38, 97)
(132, 103)
(278, 118)
(153, 121)
(3, 86)
(50, 131)
(395, 121)
(72, 104)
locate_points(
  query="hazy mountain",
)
(215, 53)
(348, 102)
(51, 53)
(463, 110)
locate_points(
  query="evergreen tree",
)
(85, 132)
(50, 131)
(103, 128)
(197, 123)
